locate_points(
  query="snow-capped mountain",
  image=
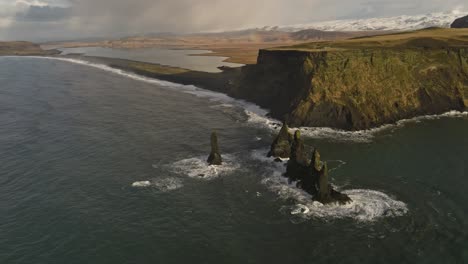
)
(442, 19)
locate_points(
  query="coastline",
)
(222, 83)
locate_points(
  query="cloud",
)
(63, 19)
(30, 3)
(44, 14)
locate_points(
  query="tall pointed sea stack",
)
(215, 157)
(316, 163)
(281, 147)
(309, 181)
(312, 175)
(324, 194)
(297, 164)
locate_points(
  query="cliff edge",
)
(363, 82)
(23, 48)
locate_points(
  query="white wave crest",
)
(257, 116)
(367, 205)
(163, 184)
(198, 167)
(141, 184)
(167, 184)
(224, 99)
(359, 136)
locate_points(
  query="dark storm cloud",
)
(84, 18)
(188, 15)
(203, 15)
(44, 14)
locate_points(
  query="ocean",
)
(103, 166)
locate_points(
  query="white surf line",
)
(191, 89)
(367, 205)
(258, 115)
(359, 136)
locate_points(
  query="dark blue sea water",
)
(100, 166)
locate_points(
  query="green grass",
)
(158, 69)
(426, 38)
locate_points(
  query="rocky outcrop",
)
(297, 165)
(312, 175)
(461, 22)
(355, 89)
(281, 147)
(215, 157)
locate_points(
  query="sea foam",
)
(359, 136)
(198, 167)
(257, 116)
(162, 184)
(367, 205)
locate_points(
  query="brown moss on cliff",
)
(357, 88)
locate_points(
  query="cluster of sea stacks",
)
(311, 175)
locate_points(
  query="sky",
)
(42, 20)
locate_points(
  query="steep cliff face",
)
(357, 88)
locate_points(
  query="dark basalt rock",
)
(312, 176)
(324, 190)
(309, 182)
(298, 163)
(316, 163)
(461, 22)
(215, 157)
(326, 193)
(281, 147)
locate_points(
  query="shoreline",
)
(220, 83)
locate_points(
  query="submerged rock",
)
(215, 156)
(281, 147)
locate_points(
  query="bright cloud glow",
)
(61, 19)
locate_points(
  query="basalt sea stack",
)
(215, 156)
(281, 147)
(312, 176)
(298, 163)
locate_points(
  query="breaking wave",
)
(367, 205)
(141, 184)
(198, 167)
(359, 136)
(163, 184)
(256, 115)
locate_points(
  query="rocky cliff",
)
(360, 84)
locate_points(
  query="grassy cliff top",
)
(425, 38)
(22, 48)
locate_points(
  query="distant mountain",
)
(461, 22)
(314, 34)
(442, 19)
